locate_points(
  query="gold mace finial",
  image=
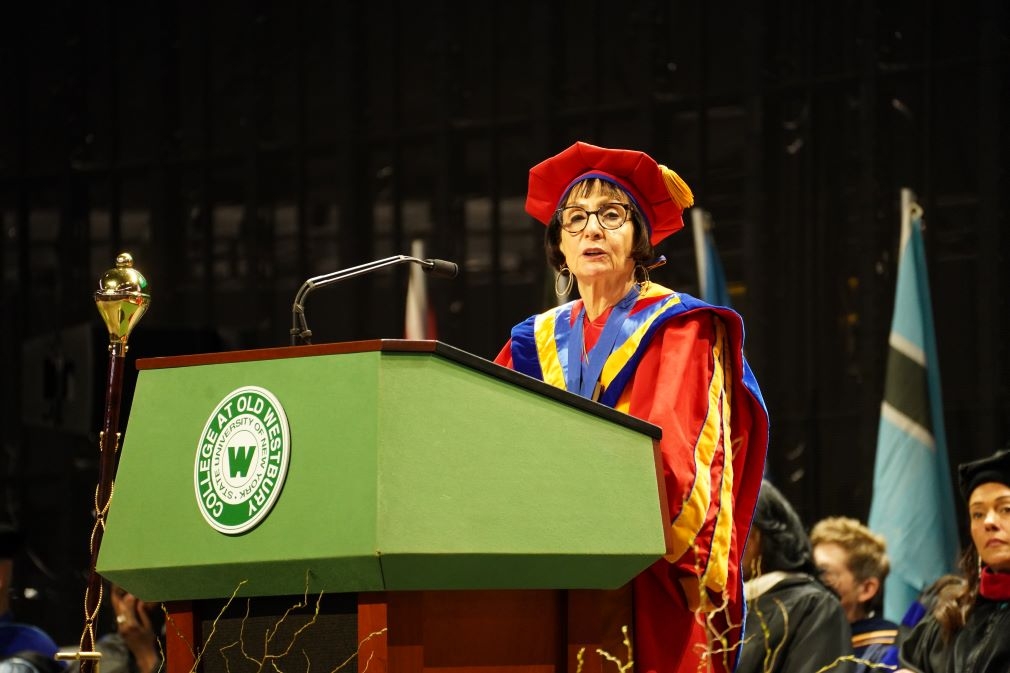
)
(122, 300)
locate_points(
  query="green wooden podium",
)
(441, 491)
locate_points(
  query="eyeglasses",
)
(610, 216)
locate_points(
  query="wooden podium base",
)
(528, 631)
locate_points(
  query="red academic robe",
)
(691, 380)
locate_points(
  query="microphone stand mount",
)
(300, 332)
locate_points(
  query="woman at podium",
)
(662, 356)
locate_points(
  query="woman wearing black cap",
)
(970, 631)
(664, 357)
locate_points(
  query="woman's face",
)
(597, 255)
(989, 511)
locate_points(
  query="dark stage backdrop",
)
(238, 148)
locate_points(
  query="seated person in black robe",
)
(794, 623)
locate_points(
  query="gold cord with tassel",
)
(678, 189)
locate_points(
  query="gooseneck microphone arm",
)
(299, 328)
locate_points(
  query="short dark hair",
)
(784, 542)
(641, 248)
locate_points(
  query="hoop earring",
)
(643, 284)
(563, 272)
(755, 567)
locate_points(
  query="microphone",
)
(300, 329)
(440, 268)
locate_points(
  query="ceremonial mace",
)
(121, 300)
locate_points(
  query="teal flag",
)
(913, 500)
(711, 278)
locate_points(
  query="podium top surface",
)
(407, 346)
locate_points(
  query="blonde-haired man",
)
(853, 562)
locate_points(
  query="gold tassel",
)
(679, 191)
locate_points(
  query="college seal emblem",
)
(241, 460)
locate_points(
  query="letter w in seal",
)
(239, 460)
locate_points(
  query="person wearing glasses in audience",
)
(969, 627)
(667, 358)
(853, 562)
